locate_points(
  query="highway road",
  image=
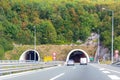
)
(77, 72)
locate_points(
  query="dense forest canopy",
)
(57, 21)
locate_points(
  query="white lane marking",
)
(113, 71)
(59, 65)
(57, 76)
(106, 72)
(114, 77)
(105, 68)
(102, 69)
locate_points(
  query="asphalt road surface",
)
(77, 72)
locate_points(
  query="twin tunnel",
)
(74, 54)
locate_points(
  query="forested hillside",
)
(57, 22)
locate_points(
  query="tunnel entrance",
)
(30, 55)
(76, 55)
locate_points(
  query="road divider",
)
(15, 67)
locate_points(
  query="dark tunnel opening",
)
(76, 55)
(31, 55)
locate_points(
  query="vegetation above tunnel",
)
(56, 21)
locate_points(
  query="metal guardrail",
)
(17, 61)
(13, 66)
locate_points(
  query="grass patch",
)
(105, 62)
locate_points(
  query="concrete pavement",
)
(77, 72)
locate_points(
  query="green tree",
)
(69, 36)
(48, 33)
(62, 21)
(1, 30)
(1, 52)
(117, 43)
(24, 37)
(106, 38)
(6, 44)
(10, 29)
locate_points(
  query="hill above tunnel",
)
(47, 50)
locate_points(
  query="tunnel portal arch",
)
(76, 54)
(30, 55)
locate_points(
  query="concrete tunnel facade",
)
(30, 55)
(76, 54)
